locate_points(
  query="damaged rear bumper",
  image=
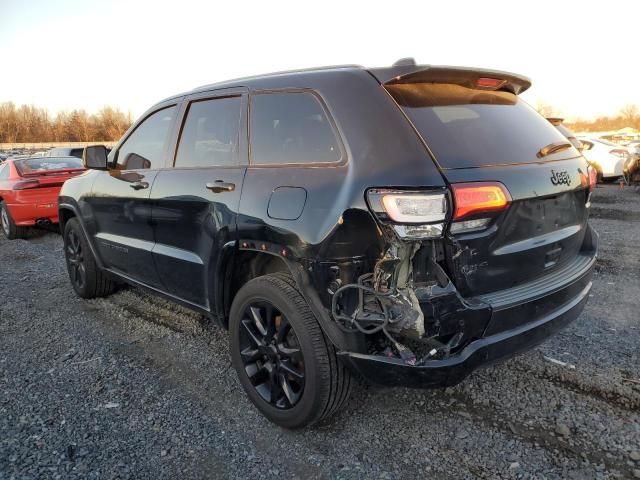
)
(568, 302)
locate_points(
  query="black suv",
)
(405, 225)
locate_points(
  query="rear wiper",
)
(553, 148)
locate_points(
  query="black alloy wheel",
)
(87, 279)
(286, 365)
(271, 355)
(75, 260)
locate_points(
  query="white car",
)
(608, 158)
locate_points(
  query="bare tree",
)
(630, 114)
(545, 109)
(29, 123)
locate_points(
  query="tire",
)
(87, 279)
(296, 402)
(9, 228)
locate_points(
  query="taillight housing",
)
(472, 199)
(476, 204)
(413, 214)
(618, 152)
(26, 184)
(593, 177)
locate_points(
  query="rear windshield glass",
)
(465, 127)
(47, 164)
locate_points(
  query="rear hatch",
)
(478, 130)
(43, 177)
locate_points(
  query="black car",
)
(404, 225)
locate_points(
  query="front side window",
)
(144, 148)
(210, 133)
(291, 127)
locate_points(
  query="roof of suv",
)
(397, 72)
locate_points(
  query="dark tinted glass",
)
(465, 127)
(46, 164)
(76, 152)
(145, 146)
(291, 128)
(210, 134)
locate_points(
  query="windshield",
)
(466, 127)
(47, 164)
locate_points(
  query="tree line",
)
(32, 124)
(627, 116)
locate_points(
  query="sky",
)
(84, 54)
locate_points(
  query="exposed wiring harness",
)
(353, 322)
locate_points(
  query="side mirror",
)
(95, 157)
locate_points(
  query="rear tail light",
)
(413, 215)
(593, 177)
(620, 153)
(415, 208)
(479, 198)
(26, 184)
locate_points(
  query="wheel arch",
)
(247, 264)
(67, 211)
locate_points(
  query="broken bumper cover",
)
(490, 349)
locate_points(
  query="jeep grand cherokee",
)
(404, 225)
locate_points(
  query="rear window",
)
(466, 127)
(47, 164)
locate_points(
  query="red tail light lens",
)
(481, 197)
(486, 82)
(620, 153)
(593, 177)
(26, 184)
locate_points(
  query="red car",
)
(29, 190)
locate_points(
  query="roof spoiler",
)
(470, 77)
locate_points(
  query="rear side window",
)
(210, 134)
(4, 172)
(467, 127)
(291, 127)
(144, 148)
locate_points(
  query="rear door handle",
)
(139, 185)
(219, 186)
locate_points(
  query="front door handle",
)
(139, 185)
(219, 186)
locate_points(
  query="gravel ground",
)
(135, 387)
